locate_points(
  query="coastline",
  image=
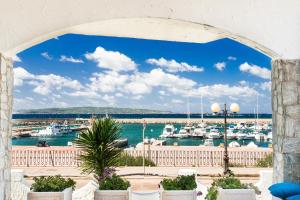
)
(153, 120)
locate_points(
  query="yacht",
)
(234, 144)
(270, 136)
(169, 131)
(199, 132)
(241, 135)
(185, 131)
(231, 135)
(54, 130)
(214, 134)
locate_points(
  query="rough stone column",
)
(286, 119)
(6, 88)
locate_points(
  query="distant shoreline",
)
(159, 120)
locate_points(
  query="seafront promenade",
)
(182, 156)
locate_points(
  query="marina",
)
(178, 133)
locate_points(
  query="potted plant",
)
(113, 186)
(182, 187)
(100, 156)
(51, 187)
(229, 187)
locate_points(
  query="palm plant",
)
(98, 146)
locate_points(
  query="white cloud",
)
(16, 58)
(64, 58)
(136, 87)
(46, 55)
(107, 82)
(174, 66)
(162, 92)
(177, 101)
(44, 84)
(243, 82)
(21, 74)
(256, 70)
(47, 84)
(112, 60)
(220, 66)
(223, 90)
(266, 85)
(231, 58)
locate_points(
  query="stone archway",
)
(269, 26)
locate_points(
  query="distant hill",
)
(91, 110)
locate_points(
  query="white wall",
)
(271, 26)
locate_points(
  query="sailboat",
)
(188, 129)
(200, 130)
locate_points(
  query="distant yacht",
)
(54, 130)
(169, 131)
(214, 134)
(208, 142)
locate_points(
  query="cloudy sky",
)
(77, 70)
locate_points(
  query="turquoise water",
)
(133, 132)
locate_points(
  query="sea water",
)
(133, 132)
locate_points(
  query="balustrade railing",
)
(68, 156)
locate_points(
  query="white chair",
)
(265, 181)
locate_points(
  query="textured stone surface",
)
(6, 86)
(286, 119)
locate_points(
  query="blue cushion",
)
(285, 190)
(296, 197)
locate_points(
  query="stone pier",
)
(6, 88)
(286, 119)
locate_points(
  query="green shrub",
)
(52, 184)
(114, 183)
(267, 161)
(127, 160)
(227, 182)
(180, 183)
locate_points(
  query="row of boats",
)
(240, 131)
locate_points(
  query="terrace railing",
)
(208, 156)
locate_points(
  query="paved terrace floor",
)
(140, 182)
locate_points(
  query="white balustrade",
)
(68, 156)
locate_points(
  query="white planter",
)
(178, 195)
(236, 194)
(64, 195)
(112, 194)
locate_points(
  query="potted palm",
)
(182, 187)
(100, 156)
(52, 187)
(229, 187)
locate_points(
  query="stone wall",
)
(286, 119)
(6, 87)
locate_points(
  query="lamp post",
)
(234, 108)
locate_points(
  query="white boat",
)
(214, 134)
(231, 135)
(234, 144)
(185, 132)
(54, 130)
(250, 136)
(199, 132)
(270, 136)
(241, 135)
(260, 136)
(252, 145)
(208, 142)
(169, 131)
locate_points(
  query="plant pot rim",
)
(69, 189)
(129, 188)
(236, 189)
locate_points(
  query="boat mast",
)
(188, 109)
(201, 108)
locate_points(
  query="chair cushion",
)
(285, 190)
(295, 197)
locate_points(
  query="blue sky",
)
(79, 70)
